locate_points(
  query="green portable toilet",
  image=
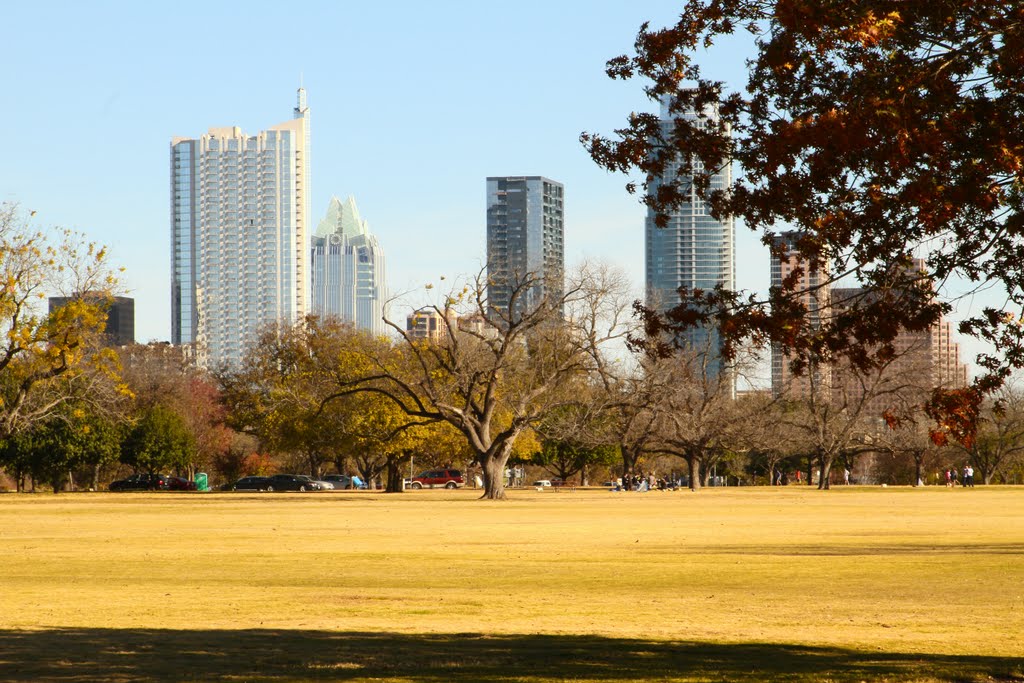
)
(201, 482)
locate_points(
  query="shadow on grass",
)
(269, 655)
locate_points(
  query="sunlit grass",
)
(905, 575)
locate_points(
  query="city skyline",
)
(409, 91)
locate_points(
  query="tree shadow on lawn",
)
(75, 655)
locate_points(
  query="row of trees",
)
(149, 410)
(569, 383)
(554, 384)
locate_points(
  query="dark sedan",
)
(141, 482)
(252, 483)
(180, 484)
(292, 482)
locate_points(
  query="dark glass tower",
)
(525, 217)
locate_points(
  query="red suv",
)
(450, 479)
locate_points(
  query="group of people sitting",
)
(642, 482)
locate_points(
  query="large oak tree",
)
(881, 130)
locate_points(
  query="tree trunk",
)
(493, 466)
(917, 471)
(629, 460)
(394, 476)
(694, 465)
(367, 475)
(584, 476)
(95, 477)
(339, 464)
(826, 471)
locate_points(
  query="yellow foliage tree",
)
(40, 350)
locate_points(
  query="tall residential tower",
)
(694, 250)
(239, 208)
(524, 241)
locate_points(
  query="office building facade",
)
(120, 326)
(525, 242)
(239, 208)
(348, 269)
(923, 359)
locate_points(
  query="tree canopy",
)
(881, 130)
(41, 351)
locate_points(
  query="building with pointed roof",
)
(348, 269)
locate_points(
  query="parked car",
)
(324, 485)
(292, 482)
(180, 484)
(251, 483)
(542, 483)
(449, 479)
(140, 482)
(343, 481)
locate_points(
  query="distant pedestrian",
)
(956, 477)
(846, 476)
(949, 478)
(968, 475)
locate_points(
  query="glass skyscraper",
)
(239, 207)
(525, 216)
(348, 269)
(694, 250)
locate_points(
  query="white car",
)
(542, 483)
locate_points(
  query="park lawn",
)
(727, 584)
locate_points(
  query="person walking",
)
(968, 475)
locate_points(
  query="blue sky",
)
(413, 105)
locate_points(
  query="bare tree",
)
(698, 418)
(499, 372)
(846, 418)
(999, 441)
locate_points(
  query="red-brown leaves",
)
(872, 126)
(955, 412)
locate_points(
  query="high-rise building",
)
(347, 266)
(694, 250)
(120, 326)
(239, 208)
(811, 289)
(525, 241)
(923, 358)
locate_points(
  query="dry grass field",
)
(726, 585)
